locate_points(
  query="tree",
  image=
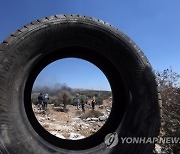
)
(169, 87)
(64, 97)
(168, 79)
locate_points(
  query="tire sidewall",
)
(22, 55)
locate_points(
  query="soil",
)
(73, 124)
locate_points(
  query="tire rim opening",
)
(71, 98)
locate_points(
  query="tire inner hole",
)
(71, 98)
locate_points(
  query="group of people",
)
(81, 103)
(42, 101)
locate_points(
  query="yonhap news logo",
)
(112, 139)
(151, 140)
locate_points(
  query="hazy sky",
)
(154, 24)
(76, 73)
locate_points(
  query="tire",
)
(136, 108)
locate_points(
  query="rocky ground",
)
(73, 124)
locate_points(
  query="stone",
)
(101, 107)
(95, 119)
(99, 125)
(55, 133)
(60, 136)
(74, 119)
(93, 131)
(108, 110)
(103, 118)
(158, 149)
(42, 119)
(87, 125)
(75, 136)
(88, 119)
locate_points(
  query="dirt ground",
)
(73, 124)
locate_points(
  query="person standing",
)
(78, 104)
(40, 101)
(93, 104)
(46, 98)
(83, 105)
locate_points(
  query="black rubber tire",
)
(136, 108)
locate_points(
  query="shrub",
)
(99, 101)
(78, 113)
(34, 97)
(64, 97)
(168, 82)
(91, 114)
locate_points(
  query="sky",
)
(154, 25)
(73, 72)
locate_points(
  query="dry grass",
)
(91, 114)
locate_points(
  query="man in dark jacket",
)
(40, 101)
(83, 105)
